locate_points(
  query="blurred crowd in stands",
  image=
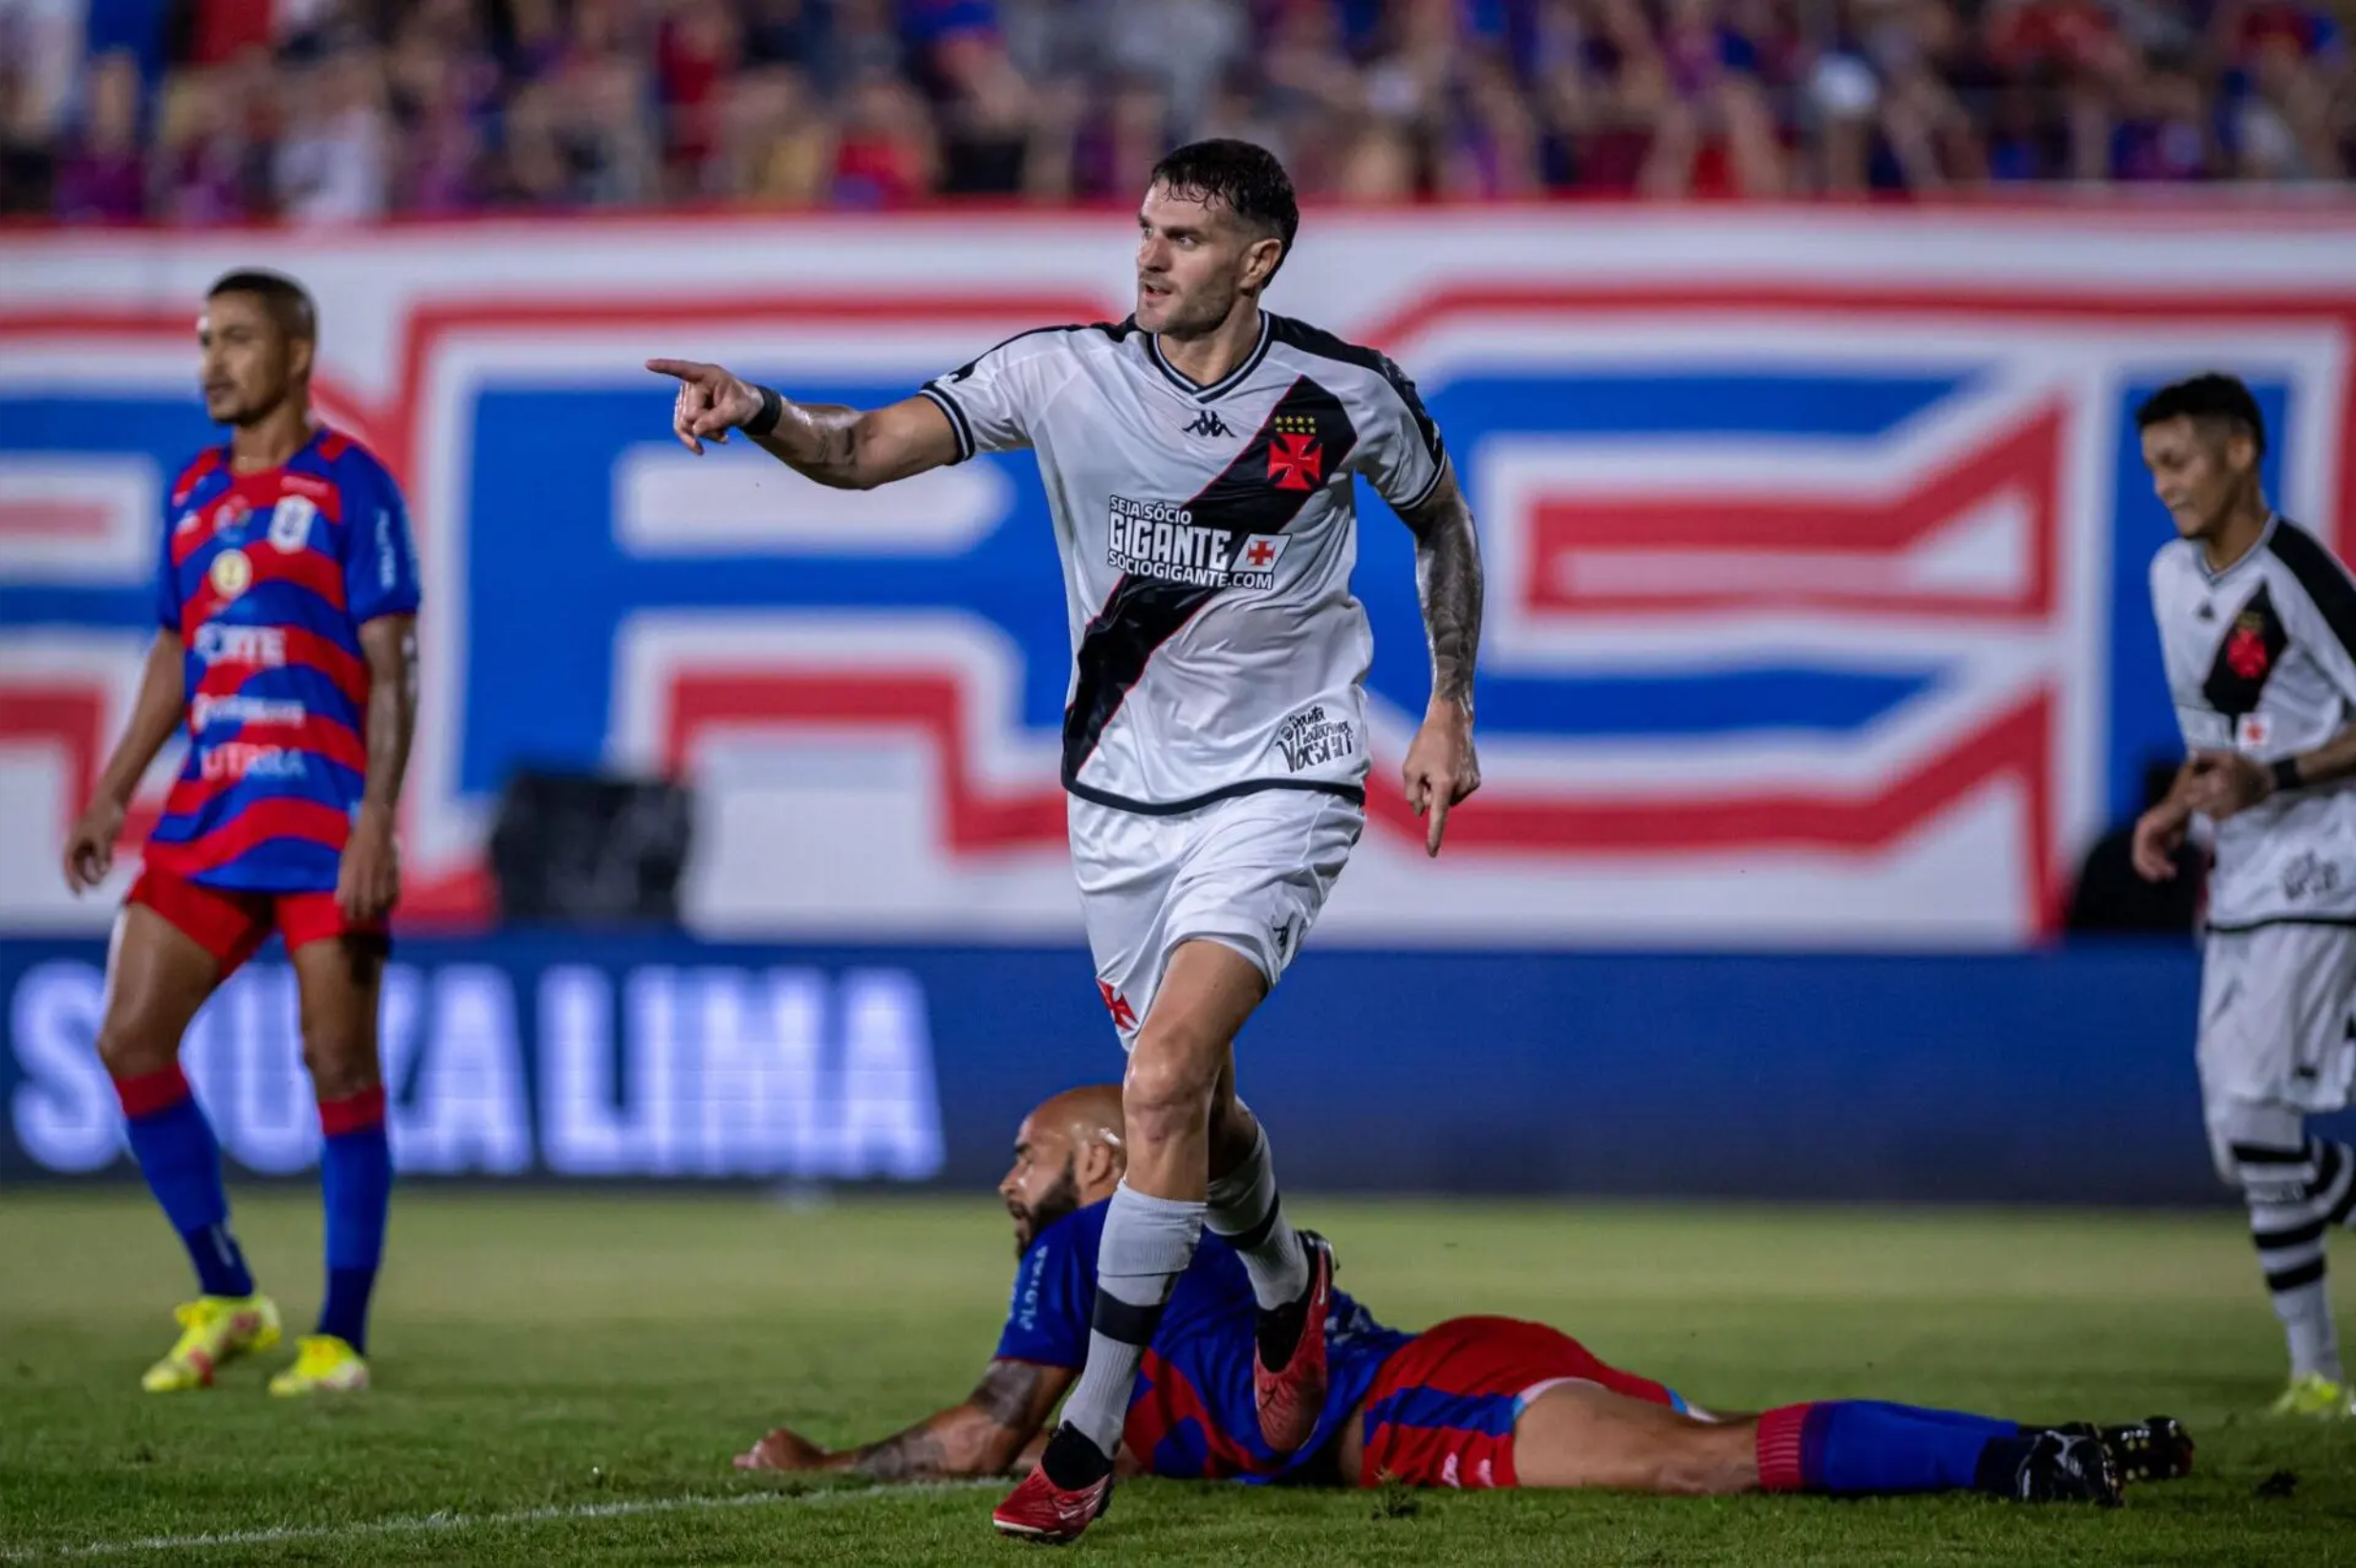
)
(337, 111)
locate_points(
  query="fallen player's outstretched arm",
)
(839, 446)
(983, 1436)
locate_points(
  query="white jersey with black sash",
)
(1207, 535)
(2261, 659)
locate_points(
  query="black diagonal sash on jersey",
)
(1250, 496)
(2246, 658)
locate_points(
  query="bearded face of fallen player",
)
(1044, 1185)
(2198, 469)
(1194, 259)
(251, 360)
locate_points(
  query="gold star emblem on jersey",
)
(1294, 424)
(231, 574)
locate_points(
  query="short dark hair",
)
(287, 301)
(1241, 176)
(2211, 396)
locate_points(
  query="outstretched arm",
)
(983, 1436)
(1442, 768)
(838, 446)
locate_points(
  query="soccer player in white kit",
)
(1199, 461)
(2257, 628)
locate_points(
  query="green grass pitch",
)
(563, 1379)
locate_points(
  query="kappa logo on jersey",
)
(1296, 457)
(1160, 540)
(1210, 424)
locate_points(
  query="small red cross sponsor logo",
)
(1124, 1016)
(1260, 554)
(1295, 463)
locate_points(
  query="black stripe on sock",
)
(2327, 1162)
(2289, 1279)
(1125, 1321)
(2295, 1235)
(1243, 1241)
(2261, 1154)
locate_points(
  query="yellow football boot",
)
(324, 1365)
(2315, 1397)
(214, 1331)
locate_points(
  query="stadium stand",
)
(338, 111)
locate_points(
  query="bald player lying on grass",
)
(1472, 1402)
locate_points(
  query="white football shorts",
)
(1251, 872)
(2275, 1016)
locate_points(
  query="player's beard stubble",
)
(1061, 1198)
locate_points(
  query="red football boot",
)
(1290, 1399)
(1050, 1514)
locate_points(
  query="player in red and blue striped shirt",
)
(287, 598)
(1471, 1402)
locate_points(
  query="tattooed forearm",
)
(1447, 580)
(979, 1437)
(1006, 1392)
(817, 439)
(915, 1452)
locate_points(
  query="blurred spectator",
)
(333, 154)
(699, 52)
(203, 161)
(885, 155)
(778, 147)
(337, 111)
(103, 177)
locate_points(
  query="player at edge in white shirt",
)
(2258, 630)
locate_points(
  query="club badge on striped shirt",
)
(231, 574)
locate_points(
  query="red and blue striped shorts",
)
(1442, 1410)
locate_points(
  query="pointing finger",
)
(1439, 825)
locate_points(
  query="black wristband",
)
(772, 409)
(2286, 771)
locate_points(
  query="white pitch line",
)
(425, 1523)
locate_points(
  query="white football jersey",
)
(1207, 535)
(2261, 659)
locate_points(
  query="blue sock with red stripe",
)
(180, 1157)
(356, 1178)
(1859, 1448)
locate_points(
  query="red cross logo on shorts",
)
(1124, 1016)
(1295, 462)
(1260, 554)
